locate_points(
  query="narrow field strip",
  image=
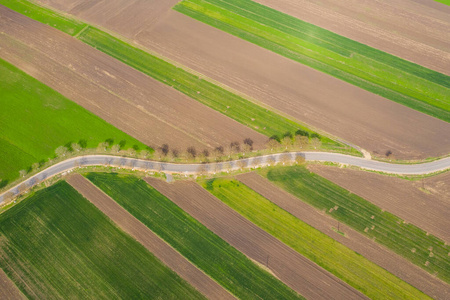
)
(207, 251)
(407, 240)
(344, 263)
(56, 244)
(258, 118)
(355, 241)
(376, 71)
(8, 289)
(289, 266)
(148, 239)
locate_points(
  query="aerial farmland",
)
(224, 149)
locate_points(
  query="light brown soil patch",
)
(331, 105)
(8, 290)
(416, 202)
(149, 239)
(414, 30)
(146, 109)
(388, 260)
(293, 269)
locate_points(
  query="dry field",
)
(424, 207)
(148, 239)
(290, 267)
(146, 109)
(416, 30)
(364, 119)
(8, 290)
(388, 260)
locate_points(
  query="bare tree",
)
(241, 164)
(8, 196)
(256, 162)
(35, 166)
(285, 158)
(301, 141)
(192, 153)
(316, 142)
(61, 151)
(235, 147)
(175, 153)
(23, 173)
(299, 159)
(131, 152)
(115, 148)
(144, 153)
(75, 147)
(165, 149)
(270, 161)
(273, 144)
(205, 155)
(202, 169)
(102, 146)
(248, 144)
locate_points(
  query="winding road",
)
(259, 161)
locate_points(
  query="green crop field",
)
(56, 244)
(215, 257)
(426, 251)
(346, 264)
(35, 120)
(234, 106)
(381, 73)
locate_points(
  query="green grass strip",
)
(35, 120)
(234, 106)
(446, 2)
(357, 271)
(57, 245)
(426, 251)
(376, 71)
(215, 257)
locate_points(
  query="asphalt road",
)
(133, 163)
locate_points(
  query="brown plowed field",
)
(416, 30)
(148, 239)
(148, 110)
(8, 290)
(423, 207)
(296, 271)
(388, 260)
(360, 117)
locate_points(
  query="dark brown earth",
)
(8, 290)
(381, 256)
(416, 202)
(149, 239)
(148, 110)
(293, 269)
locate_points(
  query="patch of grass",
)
(401, 81)
(346, 264)
(430, 252)
(446, 2)
(35, 120)
(56, 244)
(215, 257)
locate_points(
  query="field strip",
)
(296, 271)
(148, 239)
(261, 161)
(381, 256)
(8, 290)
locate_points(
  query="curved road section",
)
(133, 163)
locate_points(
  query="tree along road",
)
(259, 161)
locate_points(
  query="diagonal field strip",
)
(354, 240)
(148, 239)
(8, 290)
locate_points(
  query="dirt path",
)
(353, 240)
(148, 110)
(424, 206)
(296, 271)
(149, 240)
(8, 290)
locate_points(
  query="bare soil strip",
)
(409, 200)
(8, 290)
(388, 260)
(148, 239)
(414, 31)
(148, 110)
(293, 269)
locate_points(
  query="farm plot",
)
(146, 109)
(409, 241)
(35, 120)
(346, 264)
(207, 251)
(289, 266)
(381, 73)
(416, 202)
(55, 244)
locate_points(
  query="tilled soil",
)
(8, 290)
(416, 202)
(146, 109)
(381, 256)
(149, 239)
(293, 269)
